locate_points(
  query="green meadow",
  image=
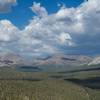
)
(64, 85)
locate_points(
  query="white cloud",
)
(39, 10)
(65, 38)
(5, 5)
(49, 33)
(8, 32)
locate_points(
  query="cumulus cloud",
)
(5, 5)
(39, 10)
(9, 35)
(7, 31)
(65, 38)
(69, 30)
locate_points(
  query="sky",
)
(37, 28)
(22, 8)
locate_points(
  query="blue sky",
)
(45, 27)
(16, 16)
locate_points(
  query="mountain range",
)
(60, 59)
(9, 59)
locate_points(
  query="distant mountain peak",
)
(95, 61)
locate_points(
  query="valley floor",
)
(81, 85)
